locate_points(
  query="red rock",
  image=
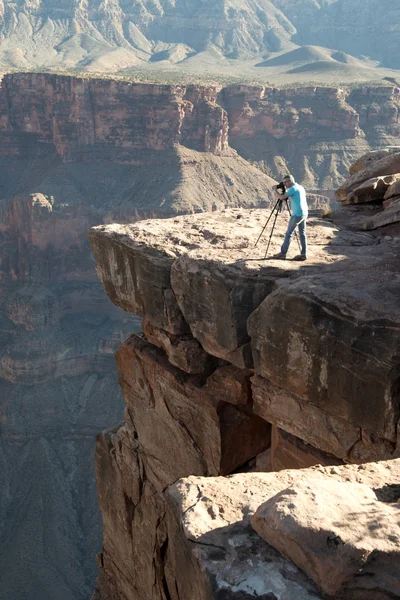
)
(372, 190)
(170, 409)
(312, 351)
(289, 452)
(338, 533)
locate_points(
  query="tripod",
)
(276, 210)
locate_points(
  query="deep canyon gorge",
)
(75, 153)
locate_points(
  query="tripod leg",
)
(268, 220)
(271, 234)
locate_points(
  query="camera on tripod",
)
(280, 188)
(278, 207)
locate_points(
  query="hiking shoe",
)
(279, 256)
(300, 257)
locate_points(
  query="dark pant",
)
(294, 222)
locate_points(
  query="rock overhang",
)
(328, 330)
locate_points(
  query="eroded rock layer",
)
(252, 365)
(314, 132)
(73, 154)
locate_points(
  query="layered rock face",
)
(314, 132)
(251, 365)
(57, 387)
(69, 162)
(158, 134)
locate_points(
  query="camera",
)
(280, 188)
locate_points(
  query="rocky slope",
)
(112, 35)
(253, 365)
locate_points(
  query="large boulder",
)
(334, 342)
(372, 190)
(388, 164)
(369, 158)
(389, 216)
(214, 554)
(339, 533)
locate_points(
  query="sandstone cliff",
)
(149, 129)
(315, 132)
(74, 154)
(253, 365)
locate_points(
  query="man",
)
(298, 200)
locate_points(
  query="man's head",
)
(288, 181)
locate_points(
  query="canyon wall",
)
(75, 153)
(249, 365)
(314, 132)
(57, 387)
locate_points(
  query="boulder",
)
(389, 216)
(372, 190)
(334, 342)
(214, 554)
(388, 164)
(371, 157)
(338, 533)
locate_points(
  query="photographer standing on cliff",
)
(298, 200)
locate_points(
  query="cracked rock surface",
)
(249, 367)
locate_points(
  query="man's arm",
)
(280, 196)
